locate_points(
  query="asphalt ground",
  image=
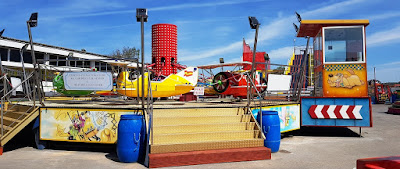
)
(309, 148)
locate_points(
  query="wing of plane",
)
(172, 85)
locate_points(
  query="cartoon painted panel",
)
(81, 125)
(289, 116)
(345, 80)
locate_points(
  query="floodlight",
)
(221, 60)
(33, 20)
(1, 32)
(296, 27)
(141, 13)
(70, 54)
(266, 57)
(253, 22)
(298, 17)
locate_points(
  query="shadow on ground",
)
(25, 138)
(322, 132)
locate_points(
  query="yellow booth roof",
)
(312, 27)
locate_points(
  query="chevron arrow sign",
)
(335, 112)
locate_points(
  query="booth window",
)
(317, 46)
(344, 44)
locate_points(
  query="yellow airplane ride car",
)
(172, 85)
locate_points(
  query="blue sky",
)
(207, 29)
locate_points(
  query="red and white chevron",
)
(335, 111)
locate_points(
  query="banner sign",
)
(198, 91)
(88, 80)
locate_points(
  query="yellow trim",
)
(85, 109)
(290, 130)
(78, 141)
(333, 21)
(280, 106)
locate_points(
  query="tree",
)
(279, 70)
(125, 53)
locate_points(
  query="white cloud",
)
(385, 74)
(94, 12)
(385, 15)
(214, 52)
(392, 63)
(223, 31)
(280, 27)
(198, 5)
(333, 9)
(218, 19)
(281, 53)
(384, 37)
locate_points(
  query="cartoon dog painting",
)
(344, 80)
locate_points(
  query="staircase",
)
(15, 118)
(204, 135)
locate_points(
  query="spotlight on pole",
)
(253, 22)
(221, 60)
(295, 27)
(141, 13)
(266, 57)
(1, 32)
(33, 20)
(298, 17)
(141, 16)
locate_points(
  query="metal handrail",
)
(6, 95)
(18, 101)
(15, 88)
(258, 125)
(4, 112)
(149, 111)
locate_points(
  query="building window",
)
(344, 44)
(3, 54)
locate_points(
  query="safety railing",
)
(149, 114)
(6, 99)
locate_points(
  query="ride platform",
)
(189, 132)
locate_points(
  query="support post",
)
(251, 76)
(36, 67)
(142, 66)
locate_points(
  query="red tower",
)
(164, 48)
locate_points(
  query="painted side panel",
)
(307, 102)
(345, 80)
(345, 122)
(325, 122)
(289, 116)
(364, 113)
(81, 125)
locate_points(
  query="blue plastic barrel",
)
(129, 137)
(272, 129)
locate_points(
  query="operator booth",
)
(341, 89)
